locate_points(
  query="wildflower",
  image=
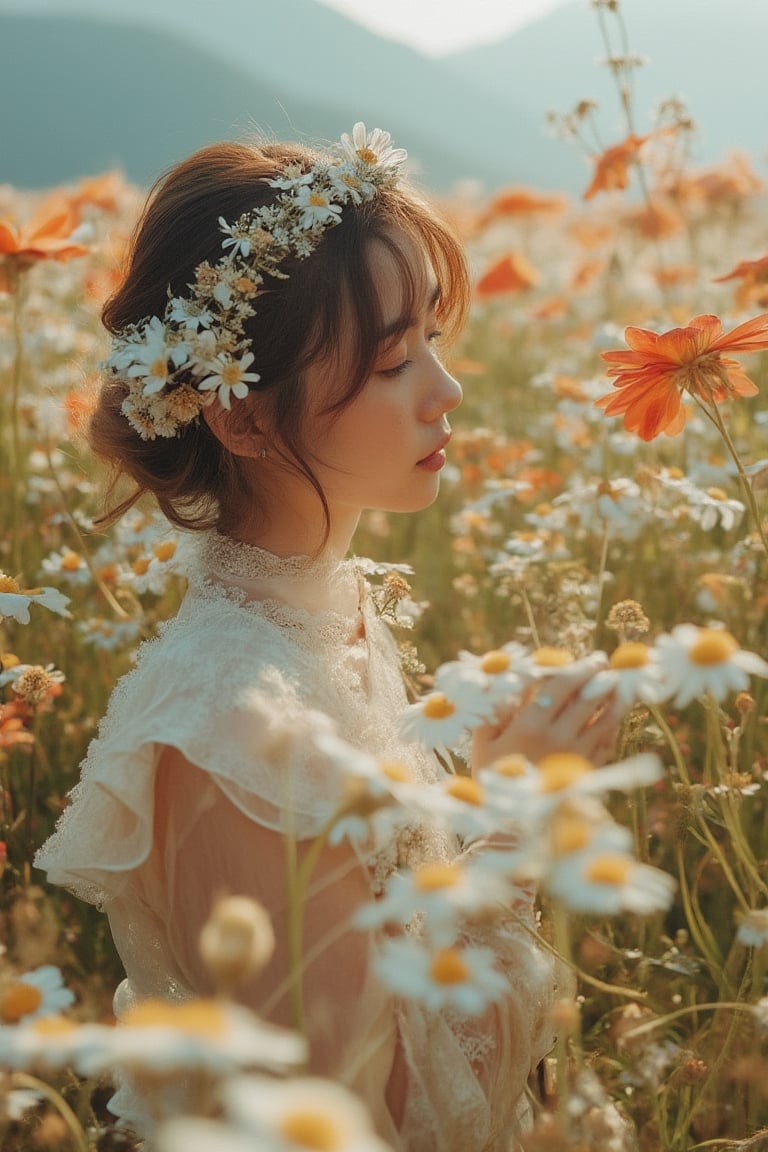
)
(462, 978)
(612, 166)
(230, 376)
(482, 682)
(45, 237)
(520, 202)
(512, 272)
(695, 661)
(437, 721)
(71, 566)
(237, 941)
(157, 1035)
(653, 375)
(15, 601)
(753, 289)
(373, 149)
(34, 995)
(628, 619)
(609, 882)
(441, 892)
(304, 1112)
(633, 672)
(32, 683)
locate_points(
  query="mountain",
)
(91, 84)
(711, 54)
(140, 91)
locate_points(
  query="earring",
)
(262, 453)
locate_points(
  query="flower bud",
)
(236, 942)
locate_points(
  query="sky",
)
(440, 26)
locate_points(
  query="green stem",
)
(24, 1080)
(712, 412)
(674, 747)
(563, 948)
(16, 372)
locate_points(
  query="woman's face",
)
(385, 449)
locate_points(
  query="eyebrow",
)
(402, 325)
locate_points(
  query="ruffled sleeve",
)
(218, 688)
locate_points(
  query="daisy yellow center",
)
(465, 789)
(717, 494)
(448, 968)
(351, 181)
(165, 550)
(676, 473)
(140, 566)
(8, 584)
(367, 155)
(159, 367)
(435, 876)
(311, 1129)
(71, 561)
(317, 200)
(633, 654)
(552, 657)
(196, 1017)
(9, 660)
(513, 765)
(569, 834)
(713, 646)
(495, 662)
(438, 707)
(396, 771)
(608, 869)
(230, 374)
(53, 1026)
(19, 1000)
(560, 770)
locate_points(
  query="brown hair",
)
(197, 482)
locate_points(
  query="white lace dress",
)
(254, 651)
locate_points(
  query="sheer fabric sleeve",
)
(205, 846)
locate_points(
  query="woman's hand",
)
(556, 719)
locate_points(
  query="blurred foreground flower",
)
(511, 273)
(46, 237)
(15, 601)
(34, 995)
(658, 368)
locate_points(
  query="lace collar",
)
(303, 591)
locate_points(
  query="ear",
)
(239, 428)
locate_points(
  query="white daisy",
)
(34, 995)
(373, 148)
(712, 506)
(482, 682)
(229, 376)
(304, 1112)
(195, 1134)
(15, 601)
(696, 661)
(152, 357)
(161, 1036)
(436, 721)
(633, 673)
(462, 978)
(317, 206)
(607, 883)
(189, 313)
(442, 893)
(71, 566)
(237, 237)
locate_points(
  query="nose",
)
(445, 395)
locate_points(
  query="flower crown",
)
(172, 367)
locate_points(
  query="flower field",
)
(603, 509)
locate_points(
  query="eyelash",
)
(399, 369)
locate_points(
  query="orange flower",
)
(612, 166)
(521, 202)
(657, 369)
(512, 272)
(753, 288)
(45, 237)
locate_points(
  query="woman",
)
(274, 373)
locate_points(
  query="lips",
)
(442, 443)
